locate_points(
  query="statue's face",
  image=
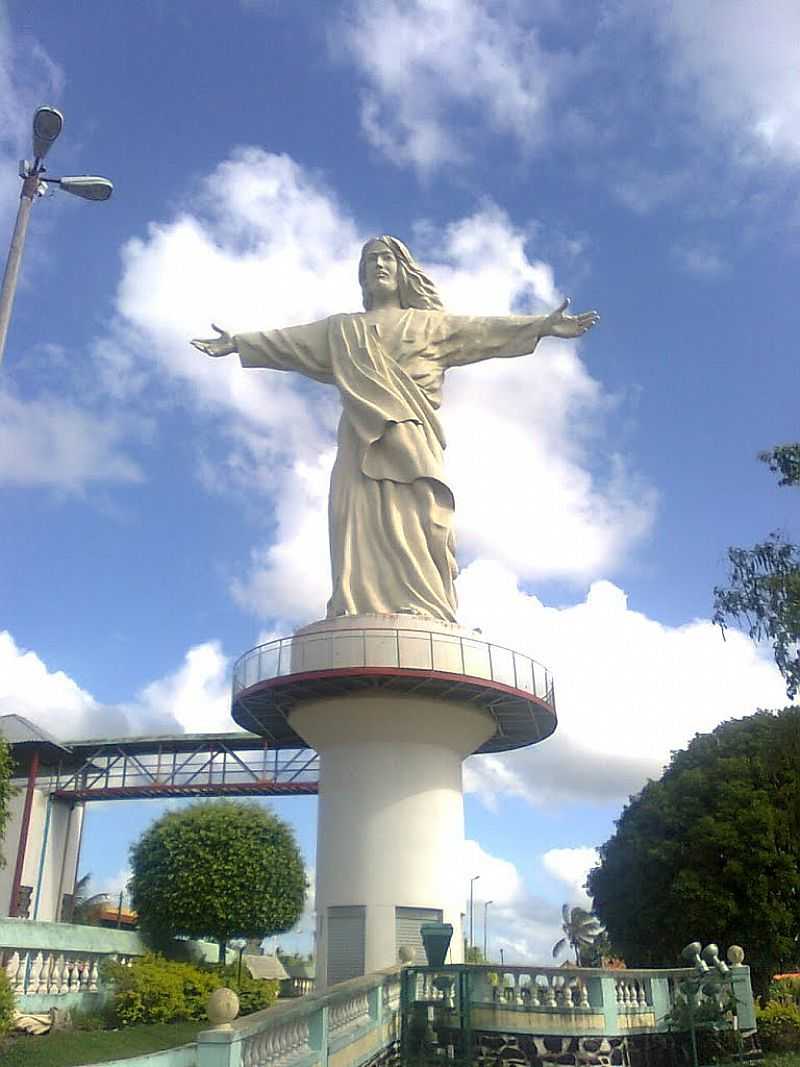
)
(380, 269)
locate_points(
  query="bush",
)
(155, 990)
(784, 990)
(89, 1021)
(779, 1026)
(7, 1007)
(254, 994)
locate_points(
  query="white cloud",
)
(266, 244)
(194, 698)
(499, 879)
(701, 260)
(522, 923)
(629, 690)
(571, 866)
(50, 699)
(433, 69)
(196, 695)
(113, 884)
(48, 442)
(738, 63)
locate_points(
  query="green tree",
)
(711, 851)
(581, 929)
(217, 869)
(763, 591)
(7, 790)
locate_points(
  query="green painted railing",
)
(57, 965)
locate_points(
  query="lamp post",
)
(472, 882)
(486, 904)
(47, 124)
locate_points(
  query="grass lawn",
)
(779, 1059)
(77, 1047)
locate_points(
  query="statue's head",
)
(385, 261)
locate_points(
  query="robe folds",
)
(390, 507)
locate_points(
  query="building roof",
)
(265, 967)
(26, 738)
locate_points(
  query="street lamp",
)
(47, 124)
(486, 904)
(472, 882)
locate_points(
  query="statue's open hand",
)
(215, 346)
(557, 324)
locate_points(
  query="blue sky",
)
(160, 510)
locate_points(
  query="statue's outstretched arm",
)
(216, 346)
(558, 324)
(304, 349)
(471, 339)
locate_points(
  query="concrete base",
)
(391, 816)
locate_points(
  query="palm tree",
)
(82, 904)
(581, 928)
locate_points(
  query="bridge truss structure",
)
(185, 765)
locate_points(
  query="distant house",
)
(269, 967)
(106, 913)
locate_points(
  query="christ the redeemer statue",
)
(390, 507)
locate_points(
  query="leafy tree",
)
(763, 592)
(581, 930)
(7, 790)
(217, 869)
(711, 851)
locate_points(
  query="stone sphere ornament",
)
(735, 955)
(222, 1008)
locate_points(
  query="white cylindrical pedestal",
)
(390, 831)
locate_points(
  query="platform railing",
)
(410, 649)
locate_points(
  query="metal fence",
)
(393, 648)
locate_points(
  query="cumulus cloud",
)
(571, 867)
(279, 249)
(434, 69)
(738, 62)
(196, 695)
(50, 699)
(629, 689)
(48, 442)
(523, 923)
(194, 698)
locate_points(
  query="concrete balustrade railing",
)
(57, 965)
(566, 1000)
(347, 1026)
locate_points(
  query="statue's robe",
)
(390, 507)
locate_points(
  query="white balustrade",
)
(348, 1013)
(55, 973)
(631, 993)
(550, 988)
(278, 1046)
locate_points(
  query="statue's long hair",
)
(415, 288)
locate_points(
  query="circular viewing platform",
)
(338, 657)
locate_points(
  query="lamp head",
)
(88, 187)
(47, 124)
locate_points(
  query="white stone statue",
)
(390, 507)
